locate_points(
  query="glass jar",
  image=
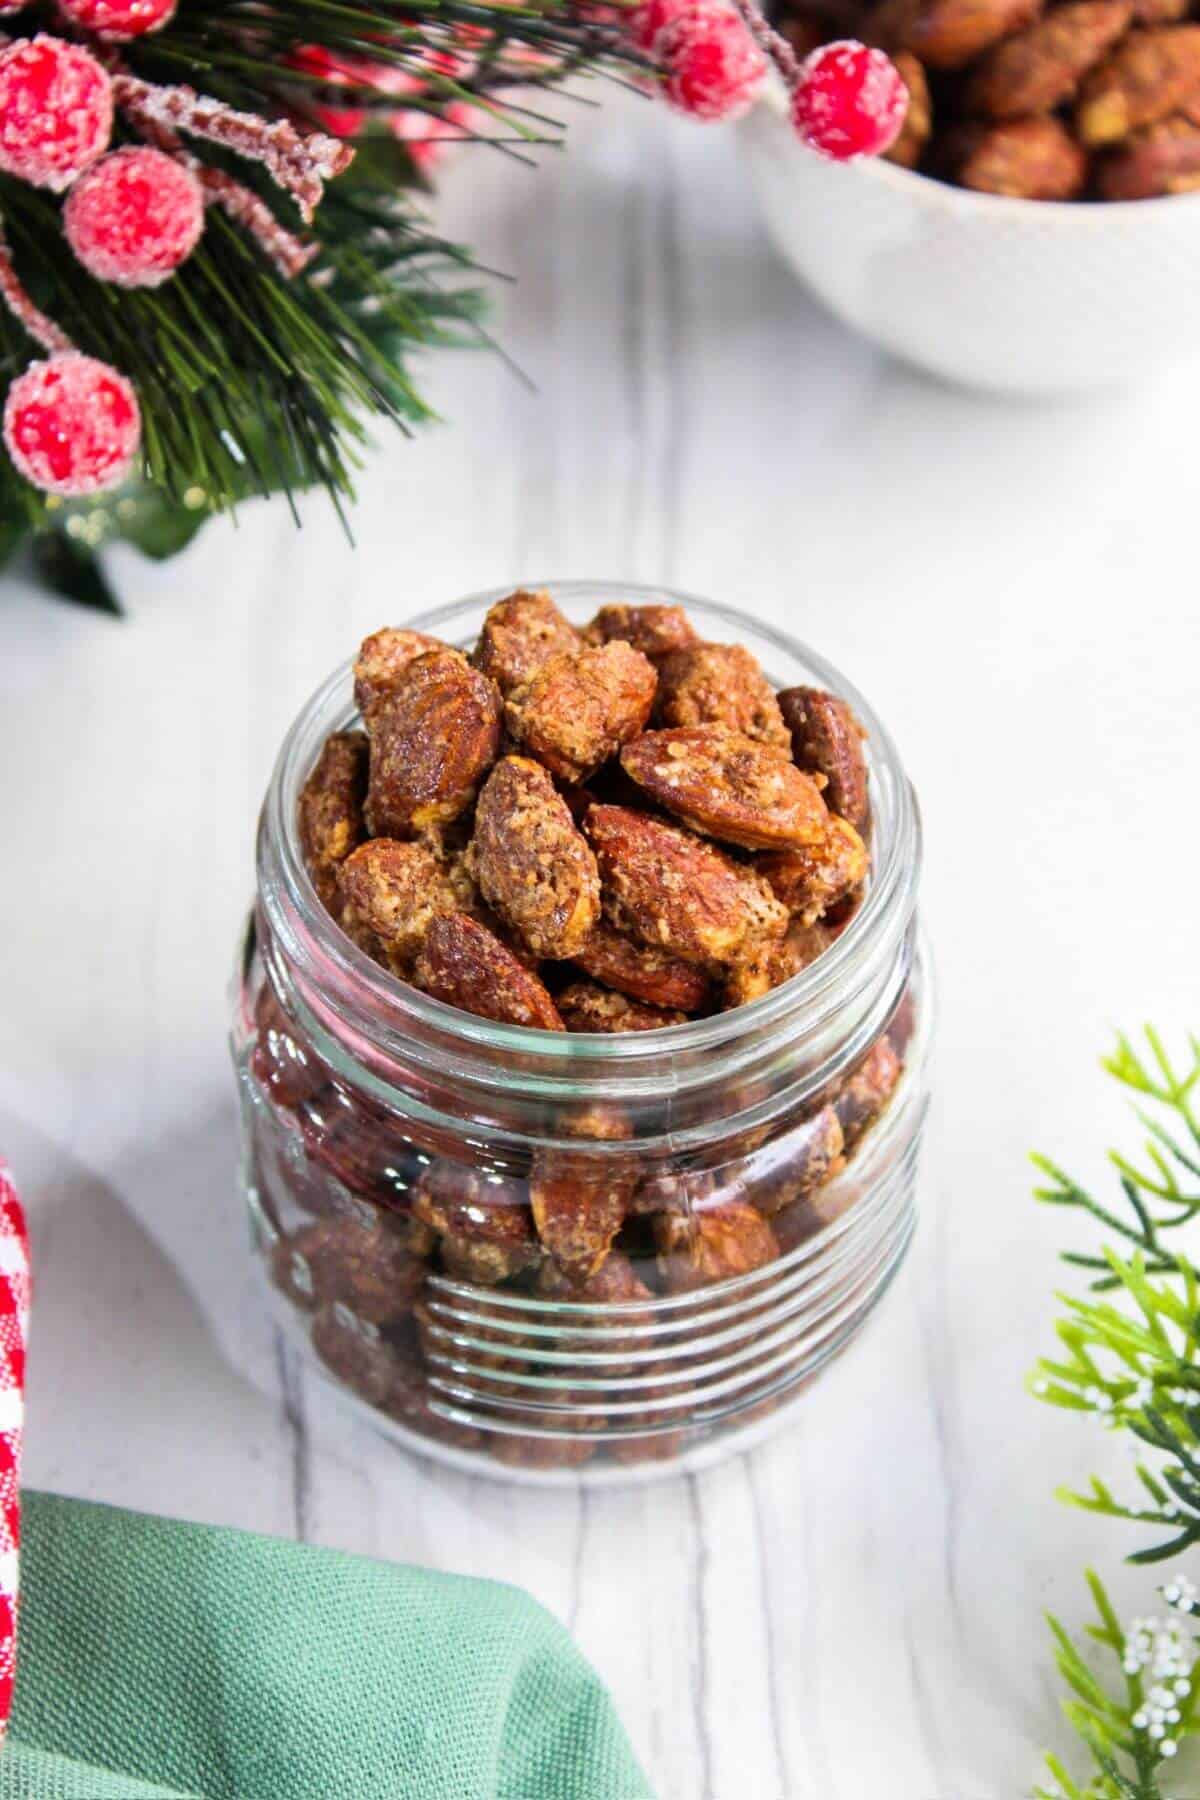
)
(762, 1161)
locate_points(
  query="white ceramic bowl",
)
(1020, 296)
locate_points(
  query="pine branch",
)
(265, 362)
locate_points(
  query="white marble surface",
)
(854, 1611)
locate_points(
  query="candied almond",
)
(290, 1072)
(357, 1356)
(775, 962)
(796, 1163)
(579, 1200)
(389, 891)
(367, 1270)
(615, 1283)
(584, 1006)
(1022, 159)
(722, 1241)
(909, 146)
(382, 658)
(464, 964)
(727, 786)
(827, 739)
(483, 1221)
(945, 34)
(654, 630)
(719, 684)
(810, 878)
(1041, 67)
(532, 864)
(1163, 158)
(643, 971)
(862, 1096)
(578, 708)
(434, 733)
(519, 634)
(331, 808)
(674, 891)
(1148, 76)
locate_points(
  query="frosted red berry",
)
(644, 23)
(118, 19)
(72, 425)
(56, 111)
(850, 101)
(711, 66)
(134, 216)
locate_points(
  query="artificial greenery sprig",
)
(1157, 1196)
(1134, 1734)
(250, 382)
(1129, 1357)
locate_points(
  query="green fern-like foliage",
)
(251, 383)
(1128, 1358)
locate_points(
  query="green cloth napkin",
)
(160, 1661)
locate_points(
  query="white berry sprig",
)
(1136, 1734)
(1128, 1359)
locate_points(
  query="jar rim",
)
(373, 999)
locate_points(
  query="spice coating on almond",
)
(484, 1222)
(331, 808)
(644, 972)
(585, 1006)
(728, 786)
(464, 964)
(827, 739)
(519, 634)
(1021, 159)
(382, 659)
(366, 1269)
(796, 1163)
(714, 1245)
(945, 34)
(1041, 67)
(578, 708)
(390, 891)
(1149, 75)
(433, 734)
(579, 1203)
(719, 684)
(654, 630)
(1163, 158)
(775, 961)
(863, 1095)
(531, 862)
(674, 891)
(814, 877)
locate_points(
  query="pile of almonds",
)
(1088, 99)
(603, 830)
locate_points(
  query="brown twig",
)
(41, 329)
(301, 164)
(776, 48)
(290, 254)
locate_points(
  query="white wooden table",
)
(854, 1611)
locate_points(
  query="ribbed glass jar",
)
(764, 1159)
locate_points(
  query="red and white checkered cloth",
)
(14, 1333)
